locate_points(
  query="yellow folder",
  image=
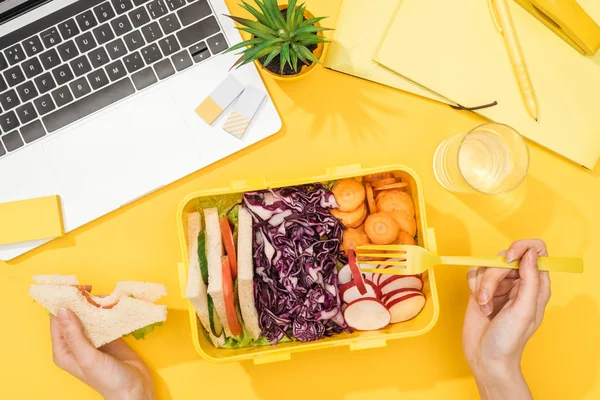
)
(32, 219)
(453, 48)
(360, 29)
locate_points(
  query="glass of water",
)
(492, 158)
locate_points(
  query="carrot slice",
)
(378, 177)
(230, 311)
(229, 246)
(370, 199)
(383, 182)
(349, 194)
(352, 219)
(395, 200)
(397, 185)
(405, 238)
(381, 228)
(353, 238)
(405, 221)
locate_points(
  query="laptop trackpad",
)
(120, 156)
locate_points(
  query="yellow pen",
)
(504, 23)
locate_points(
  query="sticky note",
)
(33, 219)
(244, 110)
(219, 99)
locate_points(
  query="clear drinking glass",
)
(492, 158)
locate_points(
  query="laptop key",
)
(152, 32)
(169, 24)
(9, 121)
(33, 131)
(50, 37)
(134, 40)
(32, 67)
(80, 87)
(164, 69)
(194, 12)
(217, 43)
(12, 141)
(3, 63)
(134, 62)
(27, 91)
(144, 78)
(62, 96)
(121, 25)
(122, 6)
(81, 66)
(116, 49)
(68, 29)
(199, 52)
(88, 105)
(175, 4)
(32, 46)
(157, 8)
(103, 34)
(169, 45)
(151, 54)
(86, 20)
(3, 85)
(2, 151)
(139, 17)
(9, 100)
(26, 113)
(68, 50)
(139, 2)
(45, 83)
(104, 12)
(14, 76)
(44, 104)
(116, 70)
(98, 79)
(85, 42)
(50, 59)
(62, 74)
(182, 60)
(15, 54)
(198, 31)
(98, 57)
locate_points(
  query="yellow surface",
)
(32, 219)
(330, 119)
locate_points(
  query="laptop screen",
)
(10, 9)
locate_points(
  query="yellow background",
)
(331, 119)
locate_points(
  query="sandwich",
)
(220, 277)
(129, 309)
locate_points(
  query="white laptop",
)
(98, 100)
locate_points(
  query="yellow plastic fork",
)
(414, 260)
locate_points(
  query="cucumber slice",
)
(215, 323)
(202, 257)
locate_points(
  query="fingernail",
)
(63, 316)
(487, 309)
(510, 256)
(484, 297)
(532, 256)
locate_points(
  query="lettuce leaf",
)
(141, 333)
(226, 204)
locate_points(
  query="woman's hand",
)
(114, 370)
(505, 309)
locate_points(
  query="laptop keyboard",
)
(94, 53)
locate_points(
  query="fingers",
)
(72, 332)
(529, 285)
(60, 350)
(519, 248)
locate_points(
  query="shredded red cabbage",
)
(296, 250)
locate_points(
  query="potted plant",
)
(286, 40)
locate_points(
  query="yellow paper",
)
(453, 48)
(28, 220)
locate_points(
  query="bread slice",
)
(246, 274)
(214, 252)
(196, 290)
(146, 291)
(101, 326)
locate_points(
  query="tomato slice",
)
(358, 278)
(84, 291)
(232, 318)
(229, 246)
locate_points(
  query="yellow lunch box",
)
(355, 341)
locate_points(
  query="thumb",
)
(72, 331)
(529, 285)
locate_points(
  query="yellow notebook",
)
(361, 27)
(453, 48)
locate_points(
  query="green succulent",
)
(274, 35)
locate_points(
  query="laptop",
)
(97, 100)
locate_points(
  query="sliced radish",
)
(367, 315)
(406, 307)
(397, 294)
(345, 275)
(350, 292)
(369, 275)
(358, 278)
(401, 282)
(383, 278)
